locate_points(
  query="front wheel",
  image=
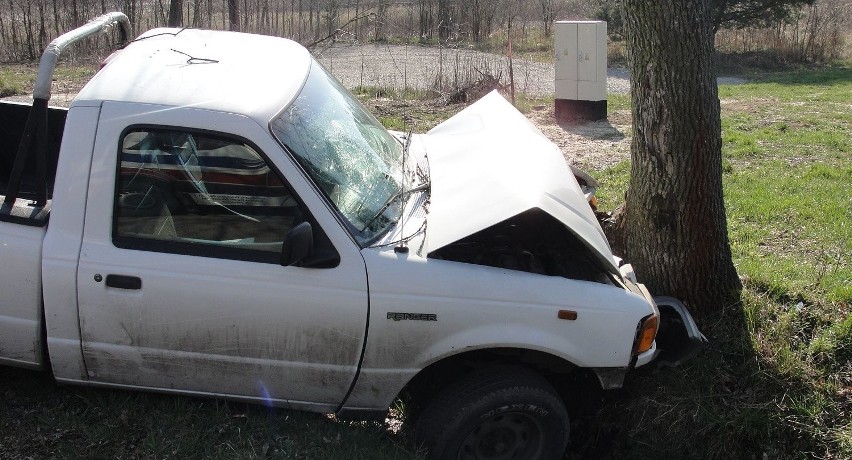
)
(495, 413)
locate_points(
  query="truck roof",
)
(253, 75)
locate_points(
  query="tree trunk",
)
(673, 221)
(57, 26)
(444, 19)
(75, 15)
(210, 13)
(426, 19)
(28, 29)
(42, 29)
(301, 23)
(381, 20)
(233, 15)
(246, 16)
(196, 15)
(548, 14)
(175, 13)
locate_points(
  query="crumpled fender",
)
(678, 338)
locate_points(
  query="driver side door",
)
(179, 281)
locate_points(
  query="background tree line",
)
(27, 26)
(815, 27)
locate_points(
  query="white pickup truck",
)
(216, 215)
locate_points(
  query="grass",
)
(12, 81)
(39, 419)
(776, 381)
(423, 110)
(404, 111)
(18, 79)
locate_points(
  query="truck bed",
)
(13, 118)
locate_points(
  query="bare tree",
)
(381, 18)
(673, 220)
(548, 15)
(175, 13)
(331, 15)
(233, 15)
(426, 18)
(445, 19)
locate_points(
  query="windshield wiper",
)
(392, 200)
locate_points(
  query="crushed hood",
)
(489, 163)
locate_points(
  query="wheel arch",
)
(559, 372)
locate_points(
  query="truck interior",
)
(196, 188)
(13, 119)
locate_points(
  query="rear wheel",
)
(496, 413)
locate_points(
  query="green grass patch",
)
(618, 102)
(407, 110)
(14, 80)
(423, 110)
(7, 89)
(821, 85)
(18, 79)
(790, 226)
(525, 103)
(613, 185)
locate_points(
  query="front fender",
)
(678, 339)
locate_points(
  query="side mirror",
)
(298, 245)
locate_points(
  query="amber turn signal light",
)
(570, 315)
(645, 334)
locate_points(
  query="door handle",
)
(124, 282)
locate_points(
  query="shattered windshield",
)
(346, 151)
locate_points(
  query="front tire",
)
(495, 413)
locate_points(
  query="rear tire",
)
(500, 413)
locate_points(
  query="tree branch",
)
(338, 30)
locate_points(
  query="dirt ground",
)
(588, 145)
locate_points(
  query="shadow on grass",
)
(824, 77)
(732, 401)
(761, 61)
(703, 409)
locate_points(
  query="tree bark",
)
(444, 19)
(673, 221)
(548, 15)
(175, 13)
(75, 15)
(233, 15)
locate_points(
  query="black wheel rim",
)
(510, 435)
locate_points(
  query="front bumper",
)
(678, 339)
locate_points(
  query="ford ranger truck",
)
(215, 215)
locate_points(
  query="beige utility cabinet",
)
(581, 65)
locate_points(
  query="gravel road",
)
(420, 67)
